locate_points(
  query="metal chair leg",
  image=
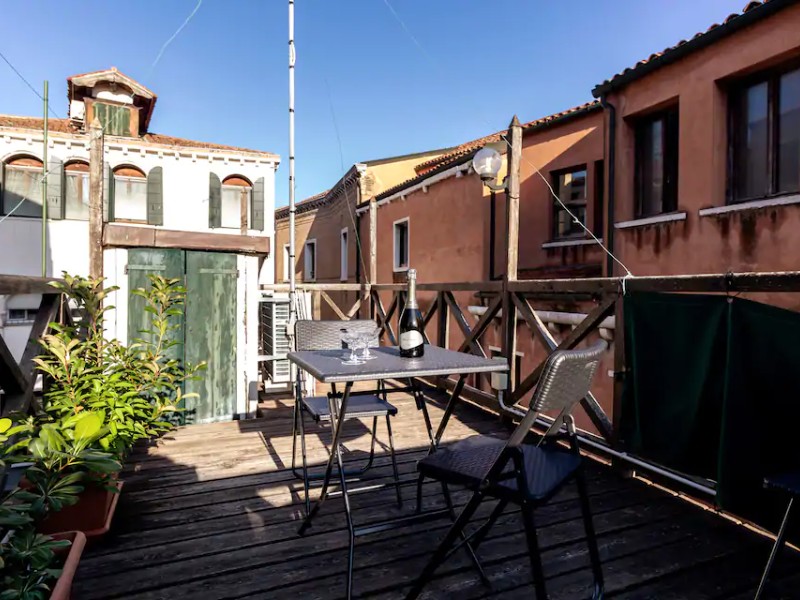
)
(301, 417)
(775, 549)
(478, 537)
(294, 437)
(420, 480)
(533, 551)
(465, 542)
(394, 461)
(438, 556)
(591, 537)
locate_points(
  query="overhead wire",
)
(523, 158)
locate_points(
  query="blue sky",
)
(474, 64)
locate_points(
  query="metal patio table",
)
(326, 366)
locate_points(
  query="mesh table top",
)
(326, 365)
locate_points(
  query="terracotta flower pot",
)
(91, 515)
(72, 556)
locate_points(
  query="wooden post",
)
(373, 242)
(509, 323)
(96, 199)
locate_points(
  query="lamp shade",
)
(487, 163)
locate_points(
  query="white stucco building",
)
(182, 208)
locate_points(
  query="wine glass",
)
(369, 335)
(350, 338)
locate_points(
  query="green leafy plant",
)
(27, 561)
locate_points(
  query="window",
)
(570, 187)
(236, 196)
(599, 190)
(115, 119)
(76, 190)
(286, 262)
(401, 245)
(343, 251)
(657, 164)
(130, 195)
(22, 187)
(21, 316)
(765, 137)
(310, 261)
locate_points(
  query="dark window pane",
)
(789, 133)
(652, 167)
(751, 153)
(570, 187)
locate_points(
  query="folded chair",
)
(528, 475)
(326, 335)
(789, 484)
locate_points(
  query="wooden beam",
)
(443, 325)
(575, 337)
(383, 319)
(589, 403)
(354, 309)
(48, 308)
(463, 325)
(12, 379)
(482, 324)
(11, 285)
(150, 237)
(373, 242)
(514, 154)
(333, 305)
(95, 199)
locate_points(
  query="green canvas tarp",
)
(713, 391)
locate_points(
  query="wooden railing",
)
(17, 379)
(513, 302)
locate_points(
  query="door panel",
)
(210, 322)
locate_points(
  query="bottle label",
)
(410, 339)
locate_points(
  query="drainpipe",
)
(612, 147)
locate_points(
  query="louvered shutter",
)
(257, 207)
(55, 188)
(108, 193)
(155, 195)
(214, 201)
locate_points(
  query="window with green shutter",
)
(116, 120)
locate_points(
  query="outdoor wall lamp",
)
(486, 163)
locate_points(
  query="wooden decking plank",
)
(297, 566)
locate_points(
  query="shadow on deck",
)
(212, 512)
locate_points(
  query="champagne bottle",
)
(411, 339)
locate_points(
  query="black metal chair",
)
(788, 483)
(524, 474)
(326, 335)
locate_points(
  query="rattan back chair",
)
(519, 472)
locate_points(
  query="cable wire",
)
(523, 158)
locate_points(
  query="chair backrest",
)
(565, 381)
(327, 335)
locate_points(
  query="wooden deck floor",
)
(212, 513)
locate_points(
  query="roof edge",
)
(679, 51)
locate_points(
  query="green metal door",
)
(211, 334)
(207, 329)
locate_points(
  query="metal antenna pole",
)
(44, 182)
(292, 284)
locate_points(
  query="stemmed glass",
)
(350, 338)
(368, 336)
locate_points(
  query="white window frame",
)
(306, 275)
(286, 260)
(344, 251)
(396, 266)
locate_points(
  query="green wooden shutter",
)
(101, 114)
(214, 201)
(121, 124)
(55, 189)
(108, 193)
(155, 194)
(257, 205)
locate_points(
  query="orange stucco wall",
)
(749, 240)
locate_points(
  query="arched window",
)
(130, 194)
(236, 198)
(76, 190)
(22, 187)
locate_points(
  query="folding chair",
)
(326, 335)
(524, 474)
(788, 483)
